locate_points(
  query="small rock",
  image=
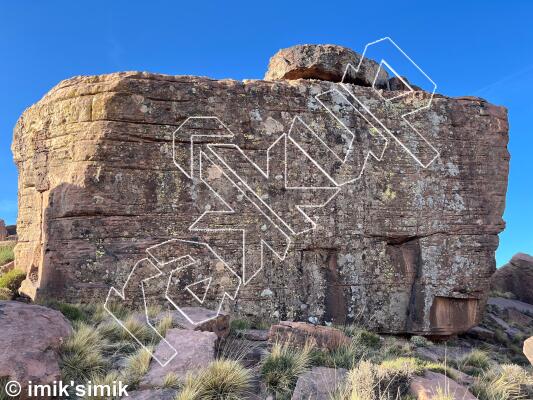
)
(480, 333)
(31, 336)
(7, 267)
(150, 394)
(256, 335)
(220, 324)
(426, 387)
(299, 332)
(267, 293)
(319, 383)
(528, 349)
(324, 62)
(196, 350)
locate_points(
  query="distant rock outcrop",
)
(516, 277)
(403, 248)
(3, 230)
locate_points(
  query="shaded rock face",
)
(516, 277)
(403, 248)
(30, 340)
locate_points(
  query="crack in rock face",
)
(398, 248)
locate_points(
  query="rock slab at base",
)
(30, 338)
(319, 383)
(298, 333)
(427, 387)
(195, 350)
(152, 394)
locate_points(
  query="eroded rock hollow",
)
(402, 226)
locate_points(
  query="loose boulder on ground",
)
(516, 277)
(299, 332)
(196, 349)
(428, 386)
(319, 383)
(218, 324)
(30, 338)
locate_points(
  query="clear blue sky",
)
(482, 48)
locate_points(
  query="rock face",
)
(30, 339)
(3, 230)
(516, 277)
(408, 246)
(432, 384)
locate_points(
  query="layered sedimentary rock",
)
(516, 277)
(406, 246)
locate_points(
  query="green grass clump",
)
(73, 312)
(282, 365)
(82, 354)
(137, 365)
(419, 341)
(5, 294)
(474, 363)
(239, 325)
(344, 356)
(12, 279)
(368, 381)
(221, 380)
(505, 382)
(6, 254)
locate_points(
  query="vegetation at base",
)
(505, 382)
(6, 294)
(282, 366)
(6, 253)
(12, 279)
(221, 380)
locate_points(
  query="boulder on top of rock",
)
(30, 339)
(516, 277)
(428, 387)
(324, 62)
(195, 350)
(319, 383)
(299, 333)
(218, 324)
(528, 349)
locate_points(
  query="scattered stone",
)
(218, 324)
(323, 62)
(299, 332)
(528, 349)
(30, 339)
(196, 349)
(426, 387)
(505, 304)
(150, 394)
(319, 383)
(257, 335)
(480, 333)
(3, 230)
(516, 277)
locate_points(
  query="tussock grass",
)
(474, 363)
(82, 354)
(281, 367)
(221, 380)
(12, 279)
(6, 253)
(171, 381)
(164, 325)
(505, 382)
(6, 294)
(136, 366)
(419, 341)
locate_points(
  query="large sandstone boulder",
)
(30, 337)
(406, 247)
(516, 277)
